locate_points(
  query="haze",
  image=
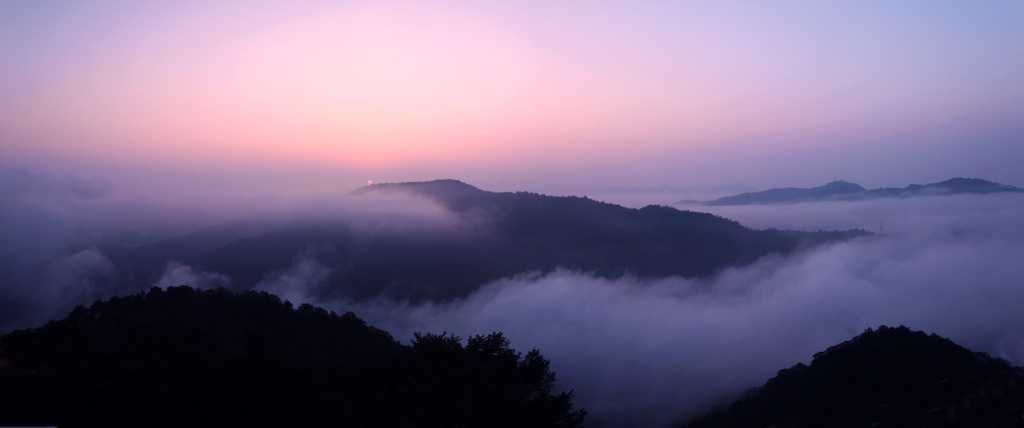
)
(133, 122)
(307, 97)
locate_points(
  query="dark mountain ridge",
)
(844, 191)
(889, 377)
(665, 189)
(211, 358)
(498, 235)
(187, 357)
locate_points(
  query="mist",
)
(213, 144)
(657, 352)
(637, 352)
(56, 231)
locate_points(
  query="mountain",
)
(844, 191)
(184, 357)
(665, 189)
(952, 186)
(497, 235)
(790, 194)
(889, 377)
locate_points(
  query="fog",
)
(637, 352)
(649, 353)
(55, 231)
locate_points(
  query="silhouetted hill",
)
(841, 190)
(499, 235)
(789, 194)
(665, 189)
(184, 357)
(953, 186)
(889, 377)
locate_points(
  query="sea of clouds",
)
(637, 352)
(653, 352)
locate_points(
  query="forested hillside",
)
(842, 191)
(185, 357)
(889, 377)
(496, 235)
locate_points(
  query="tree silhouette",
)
(186, 357)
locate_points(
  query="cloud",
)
(54, 227)
(654, 352)
(55, 235)
(63, 283)
(300, 281)
(21, 181)
(919, 218)
(74, 278)
(179, 274)
(637, 352)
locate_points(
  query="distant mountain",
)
(182, 357)
(889, 377)
(844, 191)
(500, 235)
(790, 194)
(952, 186)
(665, 189)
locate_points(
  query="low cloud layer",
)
(21, 181)
(298, 282)
(58, 232)
(649, 353)
(179, 274)
(637, 352)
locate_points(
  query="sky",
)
(163, 117)
(214, 98)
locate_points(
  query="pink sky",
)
(520, 96)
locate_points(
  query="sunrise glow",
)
(400, 86)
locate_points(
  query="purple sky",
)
(291, 98)
(162, 117)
